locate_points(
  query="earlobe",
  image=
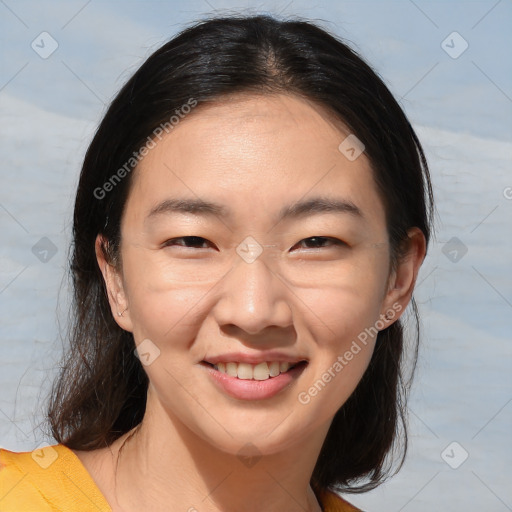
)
(402, 282)
(114, 285)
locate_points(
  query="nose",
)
(252, 297)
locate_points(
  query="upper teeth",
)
(261, 371)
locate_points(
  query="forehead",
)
(253, 153)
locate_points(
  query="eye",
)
(318, 242)
(187, 242)
(313, 242)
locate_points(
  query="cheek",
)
(350, 302)
(342, 320)
(160, 308)
(340, 311)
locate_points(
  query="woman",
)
(249, 224)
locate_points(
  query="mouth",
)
(260, 372)
(254, 382)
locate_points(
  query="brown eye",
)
(187, 242)
(319, 242)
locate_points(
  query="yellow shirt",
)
(53, 479)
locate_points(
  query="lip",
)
(253, 389)
(255, 358)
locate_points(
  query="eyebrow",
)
(300, 209)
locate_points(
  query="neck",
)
(163, 462)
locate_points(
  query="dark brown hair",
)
(101, 391)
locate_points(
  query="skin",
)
(253, 154)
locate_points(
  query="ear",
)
(403, 278)
(114, 285)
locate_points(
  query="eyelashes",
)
(331, 240)
(195, 240)
(318, 242)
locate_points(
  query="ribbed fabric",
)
(53, 479)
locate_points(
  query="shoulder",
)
(331, 502)
(46, 479)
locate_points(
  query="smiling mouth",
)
(261, 371)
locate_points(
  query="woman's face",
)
(290, 265)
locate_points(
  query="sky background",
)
(448, 63)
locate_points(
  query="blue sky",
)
(102, 42)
